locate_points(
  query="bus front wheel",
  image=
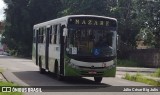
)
(98, 79)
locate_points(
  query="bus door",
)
(61, 50)
(47, 47)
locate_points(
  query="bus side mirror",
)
(65, 32)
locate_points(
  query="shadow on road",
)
(34, 78)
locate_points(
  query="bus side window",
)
(58, 34)
(50, 35)
(34, 36)
(53, 32)
(44, 34)
(38, 31)
(41, 34)
(37, 35)
(55, 35)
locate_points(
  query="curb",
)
(129, 69)
(11, 78)
(4, 77)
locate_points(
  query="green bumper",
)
(107, 72)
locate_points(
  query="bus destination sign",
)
(92, 21)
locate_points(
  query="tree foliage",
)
(21, 15)
(90, 7)
(135, 18)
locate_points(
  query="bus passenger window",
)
(37, 31)
(55, 35)
(39, 34)
(53, 32)
(50, 35)
(39, 37)
(58, 34)
(44, 35)
(34, 36)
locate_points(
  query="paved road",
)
(24, 72)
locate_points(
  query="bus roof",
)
(65, 18)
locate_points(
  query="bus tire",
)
(42, 71)
(98, 79)
(57, 72)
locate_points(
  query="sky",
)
(2, 6)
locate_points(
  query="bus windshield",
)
(89, 42)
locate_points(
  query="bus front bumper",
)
(109, 71)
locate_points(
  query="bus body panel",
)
(54, 54)
(72, 67)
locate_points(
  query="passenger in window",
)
(99, 42)
(91, 37)
(91, 42)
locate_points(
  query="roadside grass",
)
(141, 78)
(1, 70)
(127, 63)
(8, 84)
(156, 73)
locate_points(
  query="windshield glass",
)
(89, 42)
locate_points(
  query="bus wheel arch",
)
(56, 67)
(42, 70)
(57, 71)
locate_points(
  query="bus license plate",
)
(92, 72)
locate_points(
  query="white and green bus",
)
(76, 45)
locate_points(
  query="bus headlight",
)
(73, 65)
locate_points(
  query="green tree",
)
(17, 27)
(148, 15)
(127, 21)
(41, 10)
(88, 7)
(21, 15)
(134, 17)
